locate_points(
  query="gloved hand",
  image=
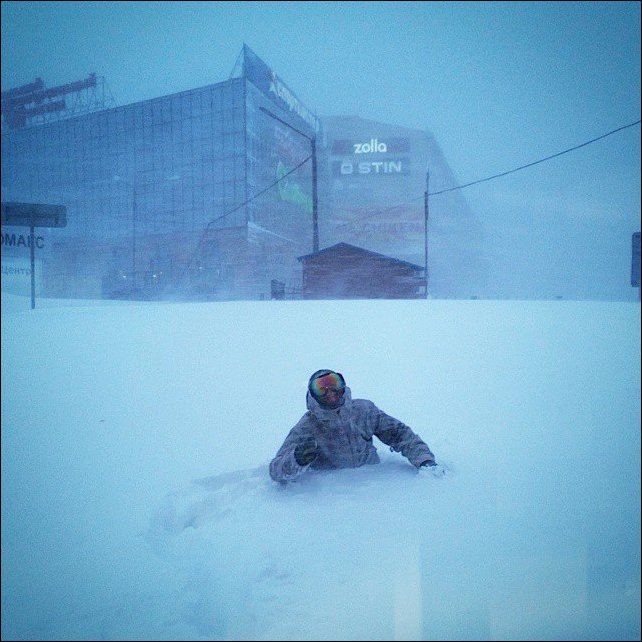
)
(433, 468)
(306, 452)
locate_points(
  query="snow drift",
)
(136, 502)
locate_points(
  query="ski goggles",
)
(331, 381)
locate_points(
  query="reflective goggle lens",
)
(327, 382)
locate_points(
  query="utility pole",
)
(315, 214)
(133, 237)
(426, 231)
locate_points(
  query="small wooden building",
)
(345, 271)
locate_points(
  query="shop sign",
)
(22, 240)
(392, 167)
(262, 77)
(372, 145)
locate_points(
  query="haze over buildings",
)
(211, 194)
(477, 88)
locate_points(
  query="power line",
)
(238, 207)
(249, 200)
(489, 178)
(382, 211)
(510, 171)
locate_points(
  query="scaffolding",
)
(33, 104)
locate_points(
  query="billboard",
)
(392, 145)
(279, 163)
(392, 167)
(260, 75)
(385, 156)
(34, 215)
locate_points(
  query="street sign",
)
(34, 215)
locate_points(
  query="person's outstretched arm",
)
(296, 454)
(401, 438)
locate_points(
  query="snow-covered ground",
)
(136, 502)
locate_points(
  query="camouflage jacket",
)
(344, 438)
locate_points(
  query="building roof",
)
(359, 250)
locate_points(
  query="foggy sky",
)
(498, 84)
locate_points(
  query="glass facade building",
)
(171, 197)
(215, 193)
(377, 177)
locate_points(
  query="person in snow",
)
(337, 431)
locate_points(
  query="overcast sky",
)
(498, 84)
